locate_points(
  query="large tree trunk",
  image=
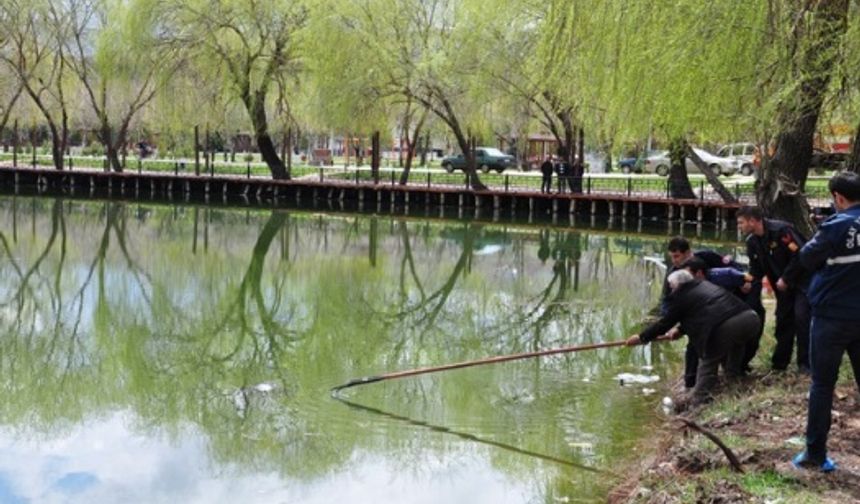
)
(679, 183)
(854, 161)
(267, 148)
(411, 144)
(59, 139)
(468, 153)
(780, 189)
(712, 177)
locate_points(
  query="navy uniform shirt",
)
(834, 255)
(775, 255)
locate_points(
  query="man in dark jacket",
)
(680, 252)
(718, 324)
(834, 294)
(772, 247)
(741, 284)
(546, 170)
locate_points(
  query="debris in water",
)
(264, 387)
(636, 379)
(648, 391)
(668, 405)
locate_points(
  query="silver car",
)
(659, 163)
(743, 153)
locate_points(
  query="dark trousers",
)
(792, 322)
(691, 365)
(546, 183)
(753, 300)
(727, 345)
(830, 339)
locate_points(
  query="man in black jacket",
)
(679, 253)
(718, 324)
(772, 247)
(546, 171)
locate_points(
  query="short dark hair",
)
(695, 264)
(750, 212)
(847, 184)
(678, 244)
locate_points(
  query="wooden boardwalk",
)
(162, 186)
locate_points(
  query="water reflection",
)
(212, 337)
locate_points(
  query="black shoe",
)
(804, 370)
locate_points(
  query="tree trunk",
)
(679, 183)
(411, 144)
(374, 159)
(581, 146)
(468, 153)
(854, 161)
(712, 177)
(780, 190)
(59, 139)
(267, 148)
(113, 158)
(426, 148)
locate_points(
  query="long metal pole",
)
(479, 362)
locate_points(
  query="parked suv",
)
(486, 159)
(743, 153)
(659, 163)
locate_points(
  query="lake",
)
(155, 353)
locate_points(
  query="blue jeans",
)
(829, 339)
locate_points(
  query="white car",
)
(743, 153)
(659, 163)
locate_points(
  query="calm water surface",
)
(179, 354)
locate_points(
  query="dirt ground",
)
(762, 421)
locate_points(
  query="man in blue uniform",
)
(773, 247)
(834, 295)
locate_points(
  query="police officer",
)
(834, 294)
(773, 247)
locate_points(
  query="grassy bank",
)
(762, 421)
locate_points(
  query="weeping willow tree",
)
(251, 48)
(114, 49)
(412, 52)
(709, 72)
(33, 52)
(521, 72)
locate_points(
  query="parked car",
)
(828, 161)
(486, 159)
(659, 163)
(630, 165)
(743, 153)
